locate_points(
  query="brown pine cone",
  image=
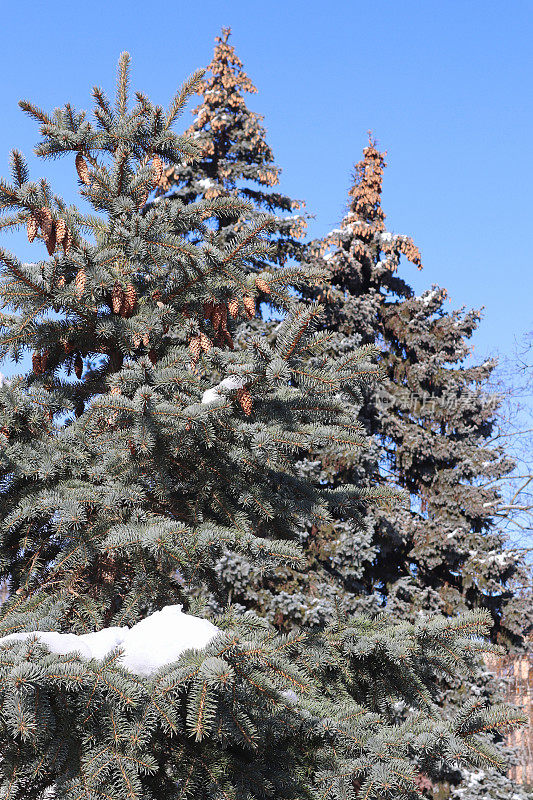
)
(245, 400)
(195, 348)
(249, 305)
(233, 307)
(205, 343)
(130, 298)
(78, 366)
(51, 241)
(262, 285)
(80, 281)
(61, 231)
(36, 363)
(143, 199)
(157, 170)
(32, 227)
(44, 360)
(223, 316)
(216, 318)
(82, 168)
(117, 298)
(44, 217)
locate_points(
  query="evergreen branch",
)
(35, 112)
(19, 168)
(123, 84)
(177, 105)
(14, 266)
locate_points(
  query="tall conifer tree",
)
(157, 469)
(433, 417)
(237, 160)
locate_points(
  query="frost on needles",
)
(122, 487)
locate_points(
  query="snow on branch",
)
(152, 643)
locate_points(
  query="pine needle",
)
(178, 104)
(123, 81)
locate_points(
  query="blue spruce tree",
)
(140, 447)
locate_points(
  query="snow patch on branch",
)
(233, 382)
(206, 183)
(152, 643)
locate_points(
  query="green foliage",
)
(237, 161)
(250, 715)
(124, 485)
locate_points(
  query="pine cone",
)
(61, 231)
(36, 363)
(51, 241)
(249, 305)
(219, 317)
(195, 348)
(130, 298)
(44, 216)
(223, 316)
(117, 298)
(144, 198)
(233, 307)
(157, 169)
(146, 339)
(32, 227)
(82, 168)
(216, 318)
(245, 400)
(262, 285)
(78, 366)
(44, 360)
(205, 343)
(80, 281)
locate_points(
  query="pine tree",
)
(236, 160)
(123, 482)
(432, 419)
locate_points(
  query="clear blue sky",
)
(445, 86)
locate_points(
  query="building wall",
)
(517, 672)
